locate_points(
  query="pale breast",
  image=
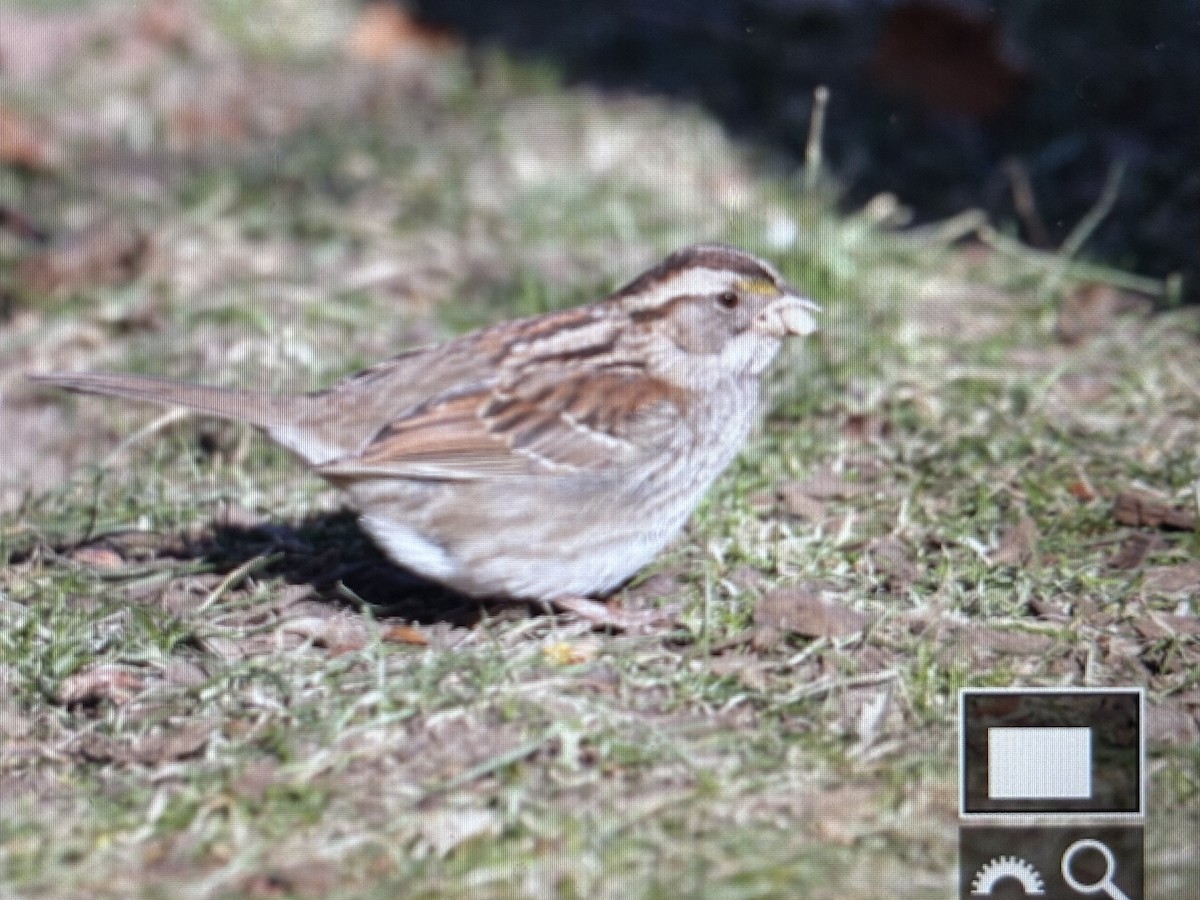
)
(578, 534)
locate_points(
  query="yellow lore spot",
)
(759, 286)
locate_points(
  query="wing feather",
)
(585, 422)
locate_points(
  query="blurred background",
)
(1022, 108)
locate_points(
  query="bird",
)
(547, 458)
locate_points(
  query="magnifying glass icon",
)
(1104, 884)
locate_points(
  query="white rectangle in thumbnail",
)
(1039, 763)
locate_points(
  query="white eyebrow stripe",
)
(693, 281)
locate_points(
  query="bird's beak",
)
(790, 314)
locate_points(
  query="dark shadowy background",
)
(1020, 108)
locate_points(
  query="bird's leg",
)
(605, 615)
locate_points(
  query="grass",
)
(206, 691)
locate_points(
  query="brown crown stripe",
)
(705, 256)
(713, 256)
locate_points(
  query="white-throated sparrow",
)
(545, 458)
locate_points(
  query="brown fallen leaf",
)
(172, 744)
(1140, 508)
(1160, 626)
(1010, 643)
(1134, 550)
(1086, 389)
(313, 878)
(749, 671)
(95, 747)
(749, 580)
(1051, 612)
(1172, 579)
(98, 557)
(222, 647)
(183, 673)
(866, 427)
(165, 746)
(799, 610)
(1018, 542)
(960, 638)
(405, 634)
(259, 776)
(828, 485)
(1171, 723)
(185, 596)
(893, 559)
(1086, 312)
(1189, 625)
(342, 634)
(107, 252)
(25, 144)
(1081, 489)
(1189, 700)
(114, 683)
(797, 502)
(659, 586)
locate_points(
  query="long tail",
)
(263, 410)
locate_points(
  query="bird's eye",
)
(727, 300)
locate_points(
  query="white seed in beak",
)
(790, 314)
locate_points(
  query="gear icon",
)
(1008, 867)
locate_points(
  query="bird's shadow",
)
(330, 553)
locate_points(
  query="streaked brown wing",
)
(587, 422)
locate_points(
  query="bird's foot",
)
(606, 615)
